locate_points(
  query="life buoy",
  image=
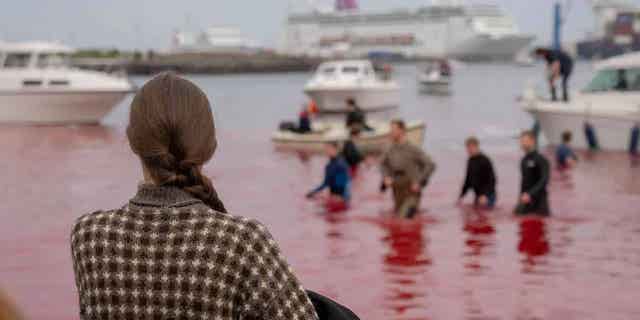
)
(635, 140)
(591, 136)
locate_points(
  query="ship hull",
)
(369, 99)
(487, 48)
(52, 108)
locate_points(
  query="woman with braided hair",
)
(172, 252)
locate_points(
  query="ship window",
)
(615, 80)
(58, 82)
(52, 60)
(328, 70)
(31, 83)
(350, 70)
(17, 60)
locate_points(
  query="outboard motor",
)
(635, 140)
(590, 135)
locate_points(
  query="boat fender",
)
(591, 136)
(635, 140)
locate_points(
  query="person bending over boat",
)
(406, 169)
(336, 179)
(559, 65)
(535, 178)
(565, 156)
(351, 152)
(480, 177)
(173, 251)
(356, 118)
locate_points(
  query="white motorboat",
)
(374, 141)
(436, 78)
(604, 114)
(37, 85)
(335, 82)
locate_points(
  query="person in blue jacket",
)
(336, 176)
(565, 156)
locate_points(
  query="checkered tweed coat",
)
(166, 255)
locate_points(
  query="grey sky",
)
(150, 23)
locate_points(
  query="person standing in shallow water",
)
(336, 178)
(173, 252)
(406, 169)
(535, 178)
(480, 176)
(566, 158)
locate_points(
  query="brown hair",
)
(528, 133)
(171, 129)
(399, 123)
(567, 136)
(472, 141)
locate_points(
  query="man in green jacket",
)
(406, 169)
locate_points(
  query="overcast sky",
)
(150, 23)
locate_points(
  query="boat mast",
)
(557, 26)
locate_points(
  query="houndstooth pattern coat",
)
(166, 255)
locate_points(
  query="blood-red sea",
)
(453, 262)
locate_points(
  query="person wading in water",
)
(406, 169)
(535, 178)
(481, 177)
(173, 251)
(336, 178)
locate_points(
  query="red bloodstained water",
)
(450, 263)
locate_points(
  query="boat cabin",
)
(618, 74)
(34, 55)
(361, 69)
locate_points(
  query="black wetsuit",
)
(352, 154)
(566, 68)
(480, 178)
(356, 119)
(535, 178)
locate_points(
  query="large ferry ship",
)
(443, 28)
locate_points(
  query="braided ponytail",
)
(171, 129)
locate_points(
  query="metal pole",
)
(557, 26)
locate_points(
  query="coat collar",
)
(162, 197)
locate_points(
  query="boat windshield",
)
(17, 60)
(327, 71)
(350, 70)
(52, 60)
(615, 80)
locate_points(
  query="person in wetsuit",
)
(356, 118)
(565, 157)
(336, 176)
(406, 169)
(535, 178)
(622, 84)
(480, 177)
(560, 66)
(351, 152)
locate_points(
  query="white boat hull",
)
(83, 107)
(334, 99)
(373, 142)
(612, 134)
(435, 85)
